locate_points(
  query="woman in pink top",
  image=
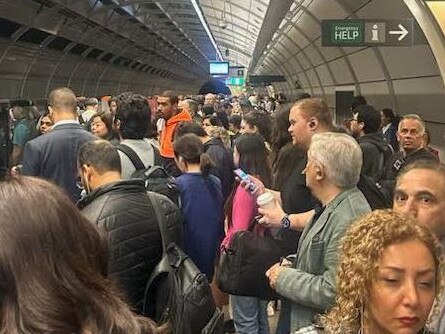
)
(249, 154)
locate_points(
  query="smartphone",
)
(244, 177)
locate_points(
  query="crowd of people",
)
(81, 236)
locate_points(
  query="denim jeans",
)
(250, 315)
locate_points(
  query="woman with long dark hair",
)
(250, 155)
(201, 202)
(53, 263)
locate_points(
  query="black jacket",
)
(124, 211)
(223, 164)
(400, 160)
(372, 145)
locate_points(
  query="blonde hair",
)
(316, 107)
(219, 132)
(361, 251)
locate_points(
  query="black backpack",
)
(177, 292)
(386, 152)
(377, 196)
(156, 177)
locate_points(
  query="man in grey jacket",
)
(332, 173)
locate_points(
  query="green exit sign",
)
(343, 33)
(234, 81)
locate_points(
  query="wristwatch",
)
(285, 222)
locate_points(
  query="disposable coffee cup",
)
(266, 201)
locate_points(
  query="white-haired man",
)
(332, 172)
(411, 136)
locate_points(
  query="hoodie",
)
(166, 139)
(375, 153)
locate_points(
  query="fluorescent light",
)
(206, 27)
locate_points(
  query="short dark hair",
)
(105, 117)
(184, 128)
(173, 97)
(207, 110)
(370, 118)
(191, 149)
(192, 105)
(389, 113)
(356, 101)
(235, 120)
(262, 121)
(101, 155)
(63, 98)
(428, 164)
(91, 101)
(215, 121)
(133, 111)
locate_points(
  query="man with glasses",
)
(54, 155)
(365, 127)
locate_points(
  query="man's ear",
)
(87, 170)
(117, 124)
(319, 173)
(313, 123)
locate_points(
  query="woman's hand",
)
(259, 186)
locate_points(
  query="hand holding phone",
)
(250, 186)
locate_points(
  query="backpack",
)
(156, 177)
(386, 153)
(376, 195)
(177, 292)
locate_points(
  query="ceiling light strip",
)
(206, 27)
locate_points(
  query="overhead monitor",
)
(219, 68)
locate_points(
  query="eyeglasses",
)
(79, 184)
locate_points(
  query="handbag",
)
(243, 264)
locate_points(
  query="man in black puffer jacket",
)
(122, 209)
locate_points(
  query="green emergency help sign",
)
(343, 32)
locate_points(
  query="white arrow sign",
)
(402, 32)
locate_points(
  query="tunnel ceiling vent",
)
(59, 43)
(107, 57)
(7, 28)
(34, 36)
(93, 54)
(78, 49)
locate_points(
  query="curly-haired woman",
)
(390, 277)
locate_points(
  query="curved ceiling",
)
(106, 46)
(235, 24)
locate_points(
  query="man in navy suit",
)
(54, 155)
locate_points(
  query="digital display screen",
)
(220, 67)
